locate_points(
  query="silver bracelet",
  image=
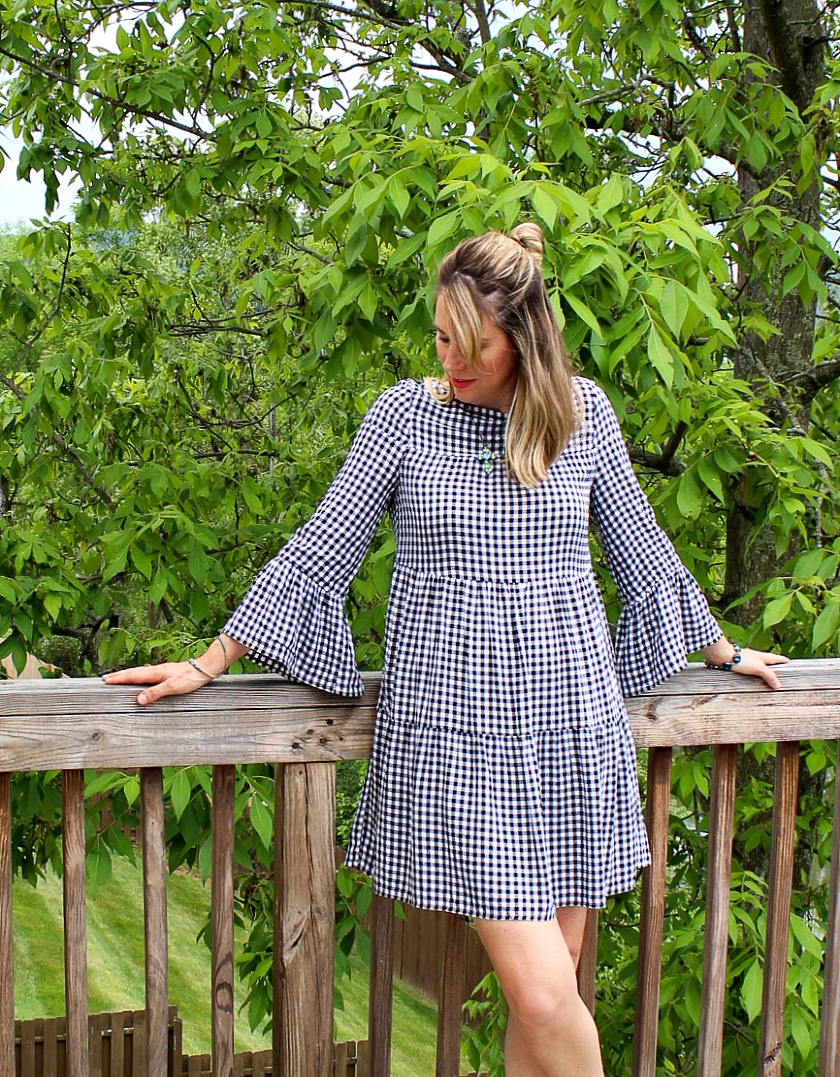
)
(195, 665)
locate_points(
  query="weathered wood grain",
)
(304, 919)
(778, 913)
(155, 922)
(7, 989)
(75, 924)
(657, 813)
(588, 964)
(830, 1025)
(716, 937)
(75, 723)
(221, 915)
(450, 997)
(380, 1006)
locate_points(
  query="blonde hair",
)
(497, 276)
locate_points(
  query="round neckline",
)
(480, 409)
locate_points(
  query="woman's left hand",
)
(752, 663)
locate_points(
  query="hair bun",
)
(529, 236)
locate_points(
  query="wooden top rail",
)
(71, 724)
(74, 723)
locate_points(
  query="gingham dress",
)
(502, 781)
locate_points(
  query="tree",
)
(687, 187)
(266, 191)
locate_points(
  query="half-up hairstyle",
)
(498, 277)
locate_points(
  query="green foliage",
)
(684, 922)
(263, 201)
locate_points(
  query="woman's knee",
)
(542, 1004)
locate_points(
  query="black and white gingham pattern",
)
(502, 781)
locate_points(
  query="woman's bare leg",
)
(550, 1031)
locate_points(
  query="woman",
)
(502, 779)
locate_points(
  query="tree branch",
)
(824, 373)
(666, 462)
(134, 110)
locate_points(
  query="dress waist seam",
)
(552, 578)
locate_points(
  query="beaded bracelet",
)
(727, 666)
(195, 665)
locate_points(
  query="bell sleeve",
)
(665, 615)
(293, 617)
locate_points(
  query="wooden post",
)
(304, 919)
(154, 906)
(381, 985)
(830, 1024)
(221, 914)
(7, 983)
(657, 816)
(716, 936)
(588, 964)
(75, 924)
(778, 912)
(450, 997)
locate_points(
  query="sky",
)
(20, 202)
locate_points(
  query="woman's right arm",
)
(181, 678)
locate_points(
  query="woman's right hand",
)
(166, 679)
(181, 678)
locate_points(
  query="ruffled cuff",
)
(294, 626)
(656, 633)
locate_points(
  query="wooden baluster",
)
(778, 912)
(657, 815)
(381, 985)
(75, 924)
(7, 983)
(588, 964)
(304, 919)
(830, 1025)
(154, 905)
(450, 997)
(716, 937)
(221, 914)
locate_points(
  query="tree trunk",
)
(787, 34)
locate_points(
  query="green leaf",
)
(180, 792)
(710, 476)
(689, 495)
(825, 626)
(142, 561)
(673, 304)
(441, 229)
(751, 989)
(776, 610)
(583, 312)
(262, 820)
(661, 356)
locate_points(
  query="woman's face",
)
(492, 387)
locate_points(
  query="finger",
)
(149, 695)
(766, 674)
(136, 675)
(769, 658)
(770, 677)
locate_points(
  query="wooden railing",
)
(70, 725)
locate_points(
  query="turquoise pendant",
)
(487, 457)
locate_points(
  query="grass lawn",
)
(115, 967)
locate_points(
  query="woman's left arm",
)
(726, 656)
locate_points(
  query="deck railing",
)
(71, 725)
